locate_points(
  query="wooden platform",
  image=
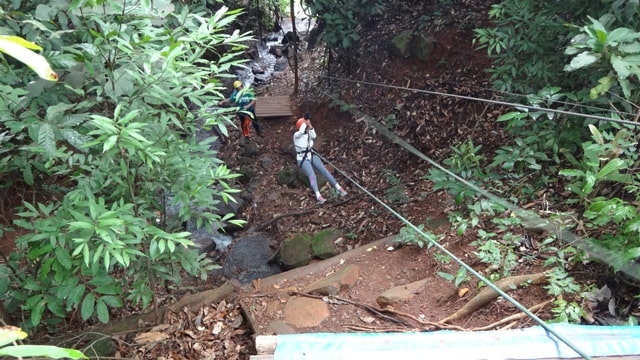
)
(273, 106)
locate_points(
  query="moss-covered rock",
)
(323, 244)
(295, 251)
(422, 46)
(400, 45)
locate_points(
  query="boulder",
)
(295, 251)
(290, 176)
(323, 243)
(422, 46)
(251, 258)
(400, 45)
(336, 282)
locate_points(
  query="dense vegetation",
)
(575, 65)
(101, 154)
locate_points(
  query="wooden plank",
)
(273, 106)
(266, 348)
(266, 344)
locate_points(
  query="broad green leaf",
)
(611, 167)
(27, 175)
(63, 257)
(80, 225)
(571, 173)
(112, 301)
(88, 306)
(75, 295)
(108, 289)
(446, 276)
(102, 310)
(47, 351)
(595, 133)
(36, 312)
(620, 34)
(101, 280)
(633, 253)
(581, 60)
(620, 66)
(631, 48)
(54, 304)
(22, 42)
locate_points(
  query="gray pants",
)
(315, 162)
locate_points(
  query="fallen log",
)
(487, 295)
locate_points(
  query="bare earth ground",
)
(363, 221)
(375, 164)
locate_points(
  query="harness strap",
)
(304, 157)
(309, 149)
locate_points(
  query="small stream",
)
(270, 52)
(252, 255)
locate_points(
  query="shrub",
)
(109, 149)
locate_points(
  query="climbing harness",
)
(307, 151)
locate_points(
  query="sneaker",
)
(321, 200)
(342, 191)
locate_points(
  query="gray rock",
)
(251, 258)
(289, 176)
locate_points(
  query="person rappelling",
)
(306, 159)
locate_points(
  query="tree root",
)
(487, 295)
(513, 318)
(432, 324)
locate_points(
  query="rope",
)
(530, 219)
(498, 102)
(499, 93)
(306, 97)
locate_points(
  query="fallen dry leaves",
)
(217, 331)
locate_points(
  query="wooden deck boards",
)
(273, 106)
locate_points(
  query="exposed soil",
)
(362, 159)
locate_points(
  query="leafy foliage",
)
(524, 41)
(466, 163)
(114, 142)
(341, 19)
(594, 161)
(613, 53)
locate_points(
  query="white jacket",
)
(303, 142)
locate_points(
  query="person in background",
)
(245, 100)
(303, 142)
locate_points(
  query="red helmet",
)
(300, 122)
